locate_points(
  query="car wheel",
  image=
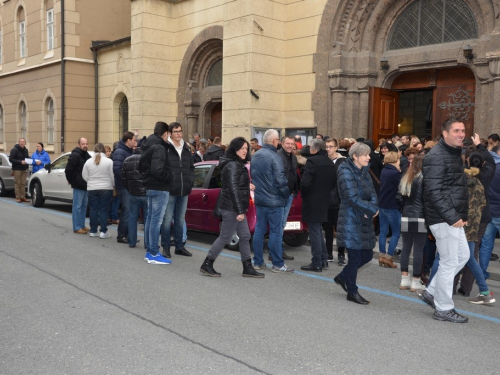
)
(2, 188)
(36, 195)
(295, 239)
(234, 245)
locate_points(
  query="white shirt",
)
(181, 145)
(99, 177)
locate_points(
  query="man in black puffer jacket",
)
(446, 209)
(133, 181)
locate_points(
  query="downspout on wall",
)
(63, 79)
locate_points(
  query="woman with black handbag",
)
(233, 203)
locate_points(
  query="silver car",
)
(6, 175)
(50, 182)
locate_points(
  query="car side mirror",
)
(48, 167)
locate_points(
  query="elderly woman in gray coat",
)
(358, 207)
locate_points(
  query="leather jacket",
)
(235, 191)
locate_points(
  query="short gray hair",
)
(269, 135)
(359, 149)
(317, 144)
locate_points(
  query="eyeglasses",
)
(177, 131)
(329, 147)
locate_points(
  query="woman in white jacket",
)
(98, 172)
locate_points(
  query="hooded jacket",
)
(358, 204)
(43, 157)
(182, 168)
(17, 156)
(74, 168)
(154, 164)
(132, 178)
(235, 190)
(214, 153)
(494, 192)
(445, 185)
(290, 167)
(121, 153)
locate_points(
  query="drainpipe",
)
(63, 78)
(96, 93)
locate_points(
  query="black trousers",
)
(333, 218)
(356, 260)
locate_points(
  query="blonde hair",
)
(391, 157)
(98, 148)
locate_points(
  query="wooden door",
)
(216, 121)
(383, 115)
(454, 96)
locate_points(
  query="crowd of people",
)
(439, 194)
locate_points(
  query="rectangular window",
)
(50, 123)
(50, 29)
(22, 39)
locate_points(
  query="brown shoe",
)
(115, 221)
(24, 200)
(81, 231)
(18, 200)
(387, 262)
(86, 229)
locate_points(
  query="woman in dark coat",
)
(358, 206)
(233, 204)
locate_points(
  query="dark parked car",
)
(202, 200)
(6, 175)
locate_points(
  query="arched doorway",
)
(216, 121)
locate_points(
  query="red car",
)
(201, 204)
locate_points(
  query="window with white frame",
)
(50, 29)
(50, 122)
(1, 124)
(22, 39)
(22, 115)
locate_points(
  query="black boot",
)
(208, 268)
(249, 271)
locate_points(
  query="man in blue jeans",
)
(271, 194)
(488, 240)
(181, 164)
(157, 174)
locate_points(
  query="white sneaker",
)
(416, 284)
(405, 282)
(104, 235)
(93, 234)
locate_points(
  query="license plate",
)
(292, 225)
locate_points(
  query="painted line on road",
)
(368, 289)
(317, 277)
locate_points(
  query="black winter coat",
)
(214, 153)
(389, 184)
(317, 183)
(132, 178)
(182, 170)
(413, 206)
(445, 185)
(290, 167)
(358, 204)
(235, 191)
(154, 164)
(486, 173)
(121, 153)
(334, 194)
(74, 168)
(17, 156)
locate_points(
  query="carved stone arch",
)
(192, 96)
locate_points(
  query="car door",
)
(55, 183)
(212, 223)
(195, 208)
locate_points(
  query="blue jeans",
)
(286, 211)
(178, 204)
(113, 210)
(157, 203)
(79, 210)
(273, 217)
(136, 203)
(389, 218)
(99, 207)
(487, 244)
(318, 245)
(124, 196)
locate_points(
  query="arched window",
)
(427, 22)
(23, 119)
(123, 116)
(50, 122)
(214, 77)
(22, 33)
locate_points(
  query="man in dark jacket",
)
(133, 181)
(73, 172)
(124, 149)
(182, 167)
(20, 169)
(157, 174)
(446, 208)
(317, 183)
(214, 151)
(271, 194)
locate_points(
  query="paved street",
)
(70, 304)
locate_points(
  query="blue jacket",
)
(43, 157)
(389, 184)
(494, 193)
(268, 176)
(121, 153)
(358, 204)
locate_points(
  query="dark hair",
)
(403, 148)
(160, 128)
(254, 140)
(447, 124)
(389, 146)
(321, 135)
(395, 135)
(494, 137)
(476, 159)
(496, 149)
(127, 136)
(332, 140)
(235, 145)
(40, 143)
(360, 139)
(174, 125)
